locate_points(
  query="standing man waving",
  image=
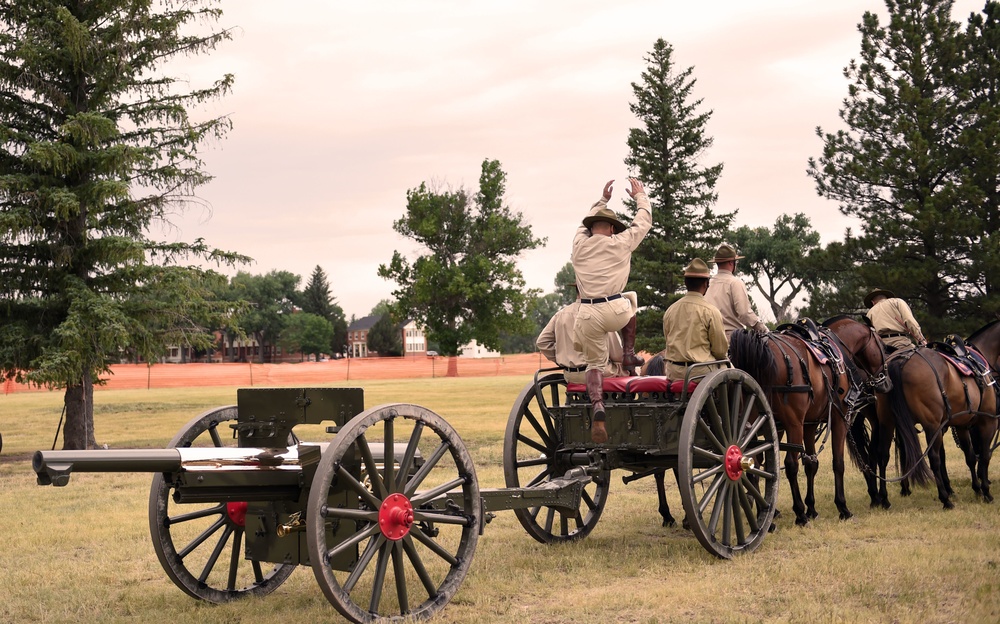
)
(602, 259)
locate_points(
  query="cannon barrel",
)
(54, 467)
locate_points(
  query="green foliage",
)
(666, 153)
(917, 164)
(269, 302)
(316, 299)
(385, 337)
(307, 333)
(565, 282)
(468, 285)
(95, 147)
(782, 262)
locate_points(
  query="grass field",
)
(83, 554)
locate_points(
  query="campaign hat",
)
(697, 268)
(604, 214)
(875, 293)
(726, 253)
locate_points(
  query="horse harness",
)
(965, 359)
(828, 350)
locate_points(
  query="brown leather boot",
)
(629, 359)
(595, 389)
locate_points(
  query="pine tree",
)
(904, 166)
(666, 154)
(95, 147)
(316, 299)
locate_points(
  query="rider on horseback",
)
(892, 319)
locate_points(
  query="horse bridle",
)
(878, 377)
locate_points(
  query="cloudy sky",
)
(339, 108)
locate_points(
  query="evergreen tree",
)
(96, 146)
(666, 153)
(316, 299)
(468, 286)
(903, 165)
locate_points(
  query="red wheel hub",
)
(395, 517)
(237, 513)
(734, 463)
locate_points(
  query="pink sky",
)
(340, 108)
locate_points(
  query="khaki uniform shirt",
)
(602, 263)
(893, 316)
(556, 344)
(729, 294)
(693, 329)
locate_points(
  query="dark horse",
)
(805, 394)
(929, 390)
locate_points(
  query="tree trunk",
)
(78, 432)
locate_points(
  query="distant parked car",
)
(432, 354)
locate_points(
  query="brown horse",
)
(805, 393)
(929, 390)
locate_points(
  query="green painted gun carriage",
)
(389, 512)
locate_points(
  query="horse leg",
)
(935, 456)
(904, 483)
(963, 436)
(810, 461)
(987, 429)
(792, 473)
(839, 438)
(661, 495)
(870, 467)
(945, 479)
(887, 429)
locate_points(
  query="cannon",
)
(389, 512)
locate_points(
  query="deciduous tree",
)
(467, 284)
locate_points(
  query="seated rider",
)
(893, 321)
(693, 327)
(556, 344)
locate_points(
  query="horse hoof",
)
(812, 515)
(949, 505)
(669, 522)
(846, 515)
(802, 521)
(886, 504)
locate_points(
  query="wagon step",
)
(788, 446)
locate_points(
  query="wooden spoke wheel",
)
(728, 463)
(199, 545)
(388, 550)
(530, 458)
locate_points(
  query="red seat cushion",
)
(638, 384)
(611, 384)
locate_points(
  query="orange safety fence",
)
(139, 376)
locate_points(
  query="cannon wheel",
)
(529, 458)
(430, 549)
(202, 533)
(727, 423)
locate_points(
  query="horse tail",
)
(859, 442)
(908, 454)
(749, 352)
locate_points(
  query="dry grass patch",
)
(83, 553)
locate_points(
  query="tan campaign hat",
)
(697, 268)
(869, 299)
(726, 253)
(604, 214)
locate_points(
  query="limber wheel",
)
(530, 458)
(381, 552)
(728, 463)
(200, 545)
